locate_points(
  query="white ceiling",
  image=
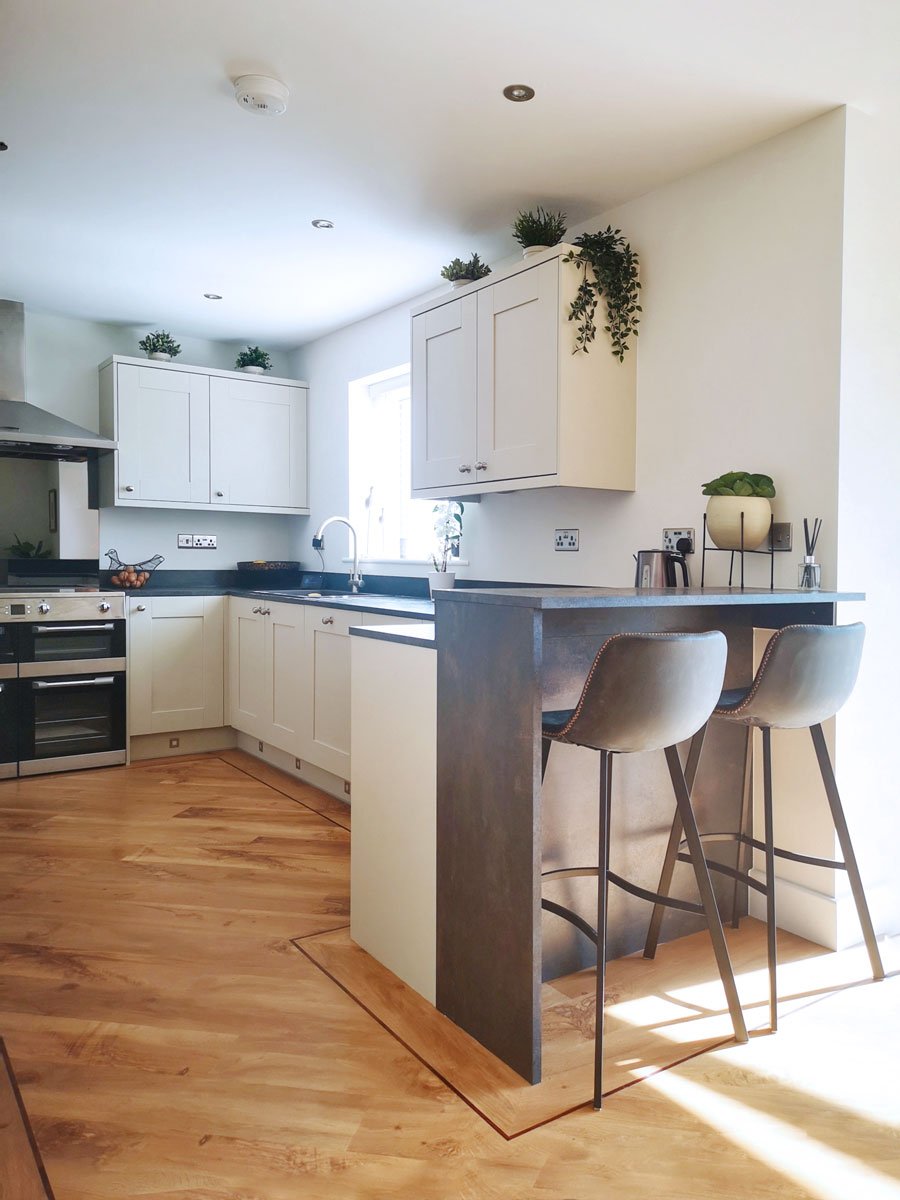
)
(133, 182)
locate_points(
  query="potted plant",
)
(739, 512)
(609, 270)
(460, 273)
(253, 360)
(538, 230)
(28, 549)
(448, 516)
(160, 345)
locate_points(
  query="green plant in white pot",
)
(448, 520)
(538, 230)
(254, 361)
(460, 273)
(160, 345)
(739, 512)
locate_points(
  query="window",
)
(391, 525)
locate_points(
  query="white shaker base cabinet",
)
(194, 437)
(392, 867)
(265, 666)
(500, 401)
(176, 663)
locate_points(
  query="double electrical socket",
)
(671, 538)
(565, 539)
(196, 541)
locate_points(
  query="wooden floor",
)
(170, 1041)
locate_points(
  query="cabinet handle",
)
(464, 469)
(220, 493)
(128, 488)
(257, 610)
(328, 620)
(267, 612)
(481, 466)
(141, 607)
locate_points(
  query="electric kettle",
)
(656, 569)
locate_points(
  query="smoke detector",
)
(261, 95)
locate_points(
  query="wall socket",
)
(565, 539)
(671, 538)
(197, 541)
(782, 535)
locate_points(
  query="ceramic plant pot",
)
(460, 283)
(254, 370)
(723, 521)
(160, 355)
(438, 580)
(528, 251)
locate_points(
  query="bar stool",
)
(644, 691)
(806, 675)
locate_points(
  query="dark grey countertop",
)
(562, 598)
(392, 606)
(410, 635)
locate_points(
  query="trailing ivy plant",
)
(539, 228)
(609, 271)
(471, 270)
(160, 342)
(254, 357)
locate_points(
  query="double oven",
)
(62, 682)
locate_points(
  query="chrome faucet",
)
(356, 580)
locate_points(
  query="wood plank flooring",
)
(171, 1043)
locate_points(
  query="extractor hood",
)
(25, 430)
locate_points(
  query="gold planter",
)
(723, 521)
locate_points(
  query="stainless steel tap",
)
(356, 580)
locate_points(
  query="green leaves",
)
(253, 357)
(28, 549)
(539, 227)
(471, 270)
(160, 342)
(740, 483)
(609, 271)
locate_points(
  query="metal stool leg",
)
(668, 867)
(602, 892)
(707, 896)
(742, 858)
(770, 878)
(843, 833)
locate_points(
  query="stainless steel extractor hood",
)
(25, 430)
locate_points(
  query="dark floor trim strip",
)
(26, 1124)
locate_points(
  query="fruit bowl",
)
(130, 576)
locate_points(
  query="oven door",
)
(9, 726)
(42, 642)
(72, 722)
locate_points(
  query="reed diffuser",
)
(810, 572)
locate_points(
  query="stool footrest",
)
(654, 897)
(568, 915)
(731, 872)
(792, 855)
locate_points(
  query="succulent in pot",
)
(538, 229)
(459, 272)
(160, 345)
(739, 512)
(253, 360)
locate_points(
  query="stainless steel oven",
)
(63, 657)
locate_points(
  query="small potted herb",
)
(253, 360)
(538, 230)
(739, 512)
(160, 345)
(609, 271)
(460, 273)
(448, 517)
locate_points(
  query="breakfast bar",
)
(505, 655)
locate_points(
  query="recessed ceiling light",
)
(211, 296)
(322, 223)
(518, 92)
(3, 146)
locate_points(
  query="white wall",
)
(61, 359)
(737, 368)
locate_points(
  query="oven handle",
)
(74, 628)
(97, 681)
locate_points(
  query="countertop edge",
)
(422, 638)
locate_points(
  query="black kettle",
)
(656, 569)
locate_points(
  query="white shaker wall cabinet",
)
(501, 402)
(176, 663)
(265, 669)
(194, 437)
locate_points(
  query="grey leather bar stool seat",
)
(644, 691)
(806, 675)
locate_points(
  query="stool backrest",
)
(646, 691)
(806, 675)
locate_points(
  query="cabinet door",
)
(163, 433)
(247, 657)
(176, 663)
(444, 394)
(518, 389)
(326, 733)
(257, 444)
(285, 674)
